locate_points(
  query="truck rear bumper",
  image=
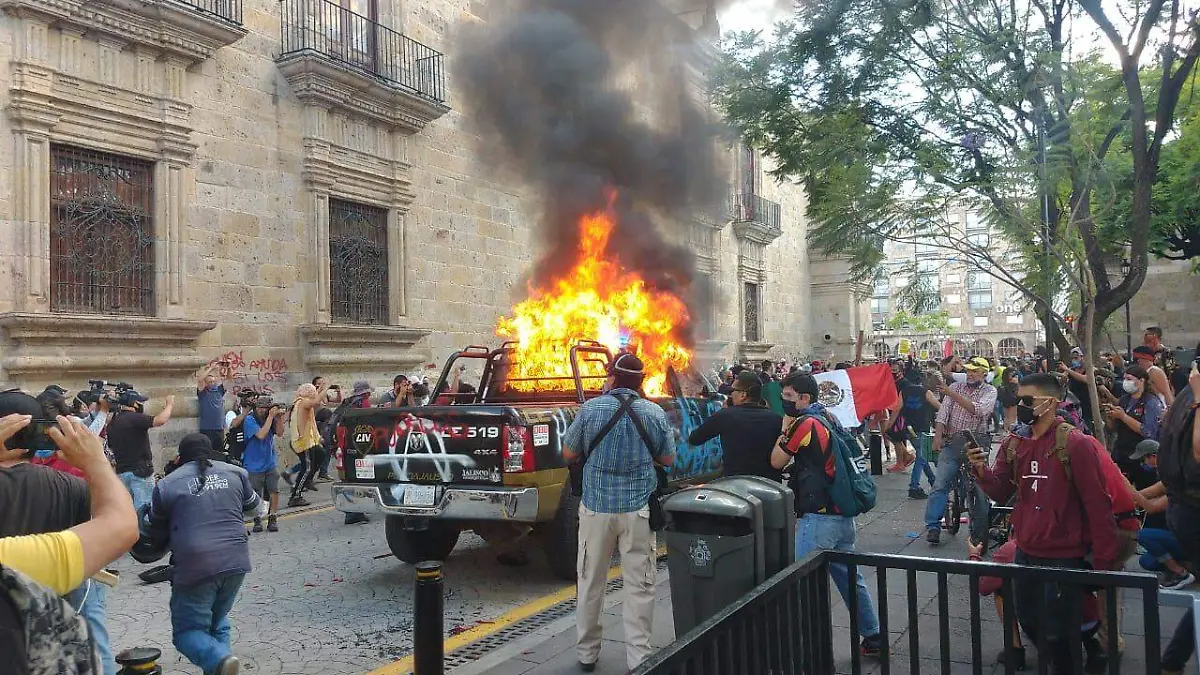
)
(453, 503)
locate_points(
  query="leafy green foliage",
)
(931, 323)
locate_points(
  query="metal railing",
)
(358, 42)
(748, 207)
(784, 626)
(229, 10)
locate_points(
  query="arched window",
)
(882, 351)
(1010, 347)
(962, 348)
(932, 349)
(983, 348)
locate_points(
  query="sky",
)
(751, 14)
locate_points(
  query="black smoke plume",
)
(539, 87)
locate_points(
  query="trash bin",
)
(714, 547)
(779, 518)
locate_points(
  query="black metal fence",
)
(750, 207)
(229, 10)
(359, 42)
(784, 625)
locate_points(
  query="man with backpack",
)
(1063, 507)
(831, 486)
(619, 438)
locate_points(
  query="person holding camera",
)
(235, 425)
(260, 459)
(1063, 511)
(401, 395)
(129, 439)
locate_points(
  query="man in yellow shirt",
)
(62, 560)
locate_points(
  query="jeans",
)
(947, 473)
(817, 531)
(1055, 618)
(141, 490)
(1160, 546)
(921, 465)
(89, 601)
(200, 620)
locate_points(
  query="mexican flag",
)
(853, 394)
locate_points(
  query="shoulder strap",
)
(641, 429)
(626, 406)
(1062, 449)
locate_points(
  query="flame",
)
(596, 300)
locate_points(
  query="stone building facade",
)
(985, 315)
(1169, 299)
(289, 186)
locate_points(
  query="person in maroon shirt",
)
(1057, 517)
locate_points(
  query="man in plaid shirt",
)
(618, 482)
(966, 406)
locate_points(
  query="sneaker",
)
(1014, 656)
(257, 525)
(323, 479)
(311, 488)
(872, 645)
(297, 501)
(934, 536)
(228, 666)
(1172, 581)
(1095, 661)
(896, 468)
(917, 493)
(587, 667)
(356, 518)
(272, 524)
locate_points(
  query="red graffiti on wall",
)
(263, 375)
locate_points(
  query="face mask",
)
(791, 409)
(1026, 414)
(1129, 386)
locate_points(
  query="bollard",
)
(139, 661)
(876, 452)
(427, 620)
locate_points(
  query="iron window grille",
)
(358, 263)
(101, 233)
(1010, 347)
(750, 312)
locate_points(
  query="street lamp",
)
(1128, 328)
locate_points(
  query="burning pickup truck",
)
(489, 459)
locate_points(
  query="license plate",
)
(419, 495)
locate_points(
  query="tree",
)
(891, 113)
(934, 323)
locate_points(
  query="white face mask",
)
(1129, 386)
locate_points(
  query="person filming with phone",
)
(1063, 505)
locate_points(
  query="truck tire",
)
(414, 546)
(560, 537)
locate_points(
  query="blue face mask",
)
(1077, 364)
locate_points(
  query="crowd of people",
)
(78, 489)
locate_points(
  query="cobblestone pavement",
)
(325, 597)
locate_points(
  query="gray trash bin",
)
(779, 518)
(714, 548)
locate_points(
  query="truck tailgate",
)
(427, 445)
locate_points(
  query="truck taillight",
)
(338, 457)
(518, 450)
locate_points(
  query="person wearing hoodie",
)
(1059, 517)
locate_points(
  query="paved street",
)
(325, 597)
(329, 598)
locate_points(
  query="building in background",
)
(984, 316)
(288, 185)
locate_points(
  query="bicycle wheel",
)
(952, 520)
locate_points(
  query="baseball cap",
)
(628, 364)
(748, 382)
(1076, 351)
(1144, 449)
(977, 363)
(264, 402)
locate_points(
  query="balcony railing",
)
(357, 42)
(747, 207)
(229, 10)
